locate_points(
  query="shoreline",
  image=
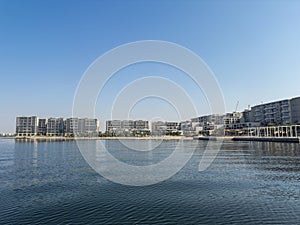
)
(44, 138)
(249, 138)
(199, 138)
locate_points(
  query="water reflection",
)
(274, 165)
(38, 163)
(276, 148)
(271, 156)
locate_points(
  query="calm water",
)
(248, 183)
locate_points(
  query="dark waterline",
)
(248, 183)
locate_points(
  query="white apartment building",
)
(26, 125)
(162, 128)
(127, 127)
(81, 126)
(55, 127)
(42, 126)
(32, 125)
(277, 113)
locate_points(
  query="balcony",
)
(267, 107)
(285, 110)
(270, 113)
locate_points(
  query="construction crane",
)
(236, 107)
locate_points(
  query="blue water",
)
(248, 183)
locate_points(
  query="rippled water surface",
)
(248, 183)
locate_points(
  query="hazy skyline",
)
(252, 47)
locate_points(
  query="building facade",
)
(141, 125)
(114, 126)
(208, 124)
(187, 128)
(27, 125)
(295, 110)
(55, 127)
(71, 126)
(281, 112)
(81, 127)
(42, 126)
(164, 128)
(88, 127)
(127, 127)
(32, 125)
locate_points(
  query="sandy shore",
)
(43, 138)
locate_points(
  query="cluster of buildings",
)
(127, 127)
(279, 113)
(140, 128)
(165, 128)
(35, 126)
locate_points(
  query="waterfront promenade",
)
(201, 138)
(58, 138)
(249, 138)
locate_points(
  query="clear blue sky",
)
(253, 48)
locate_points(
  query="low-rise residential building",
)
(88, 127)
(247, 115)
(55, 127)
(42, 126)
(127, 127)
(187, 128)
(158, 128)
(164, 128)
(81, 127)
(26, 125)
(232, 119)
(171, 126)
(208, 124)
(114, 126)
(32, 125)
(71, 126)
(141, 125)
(281, 112)
(295, 110)
(238, 122)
